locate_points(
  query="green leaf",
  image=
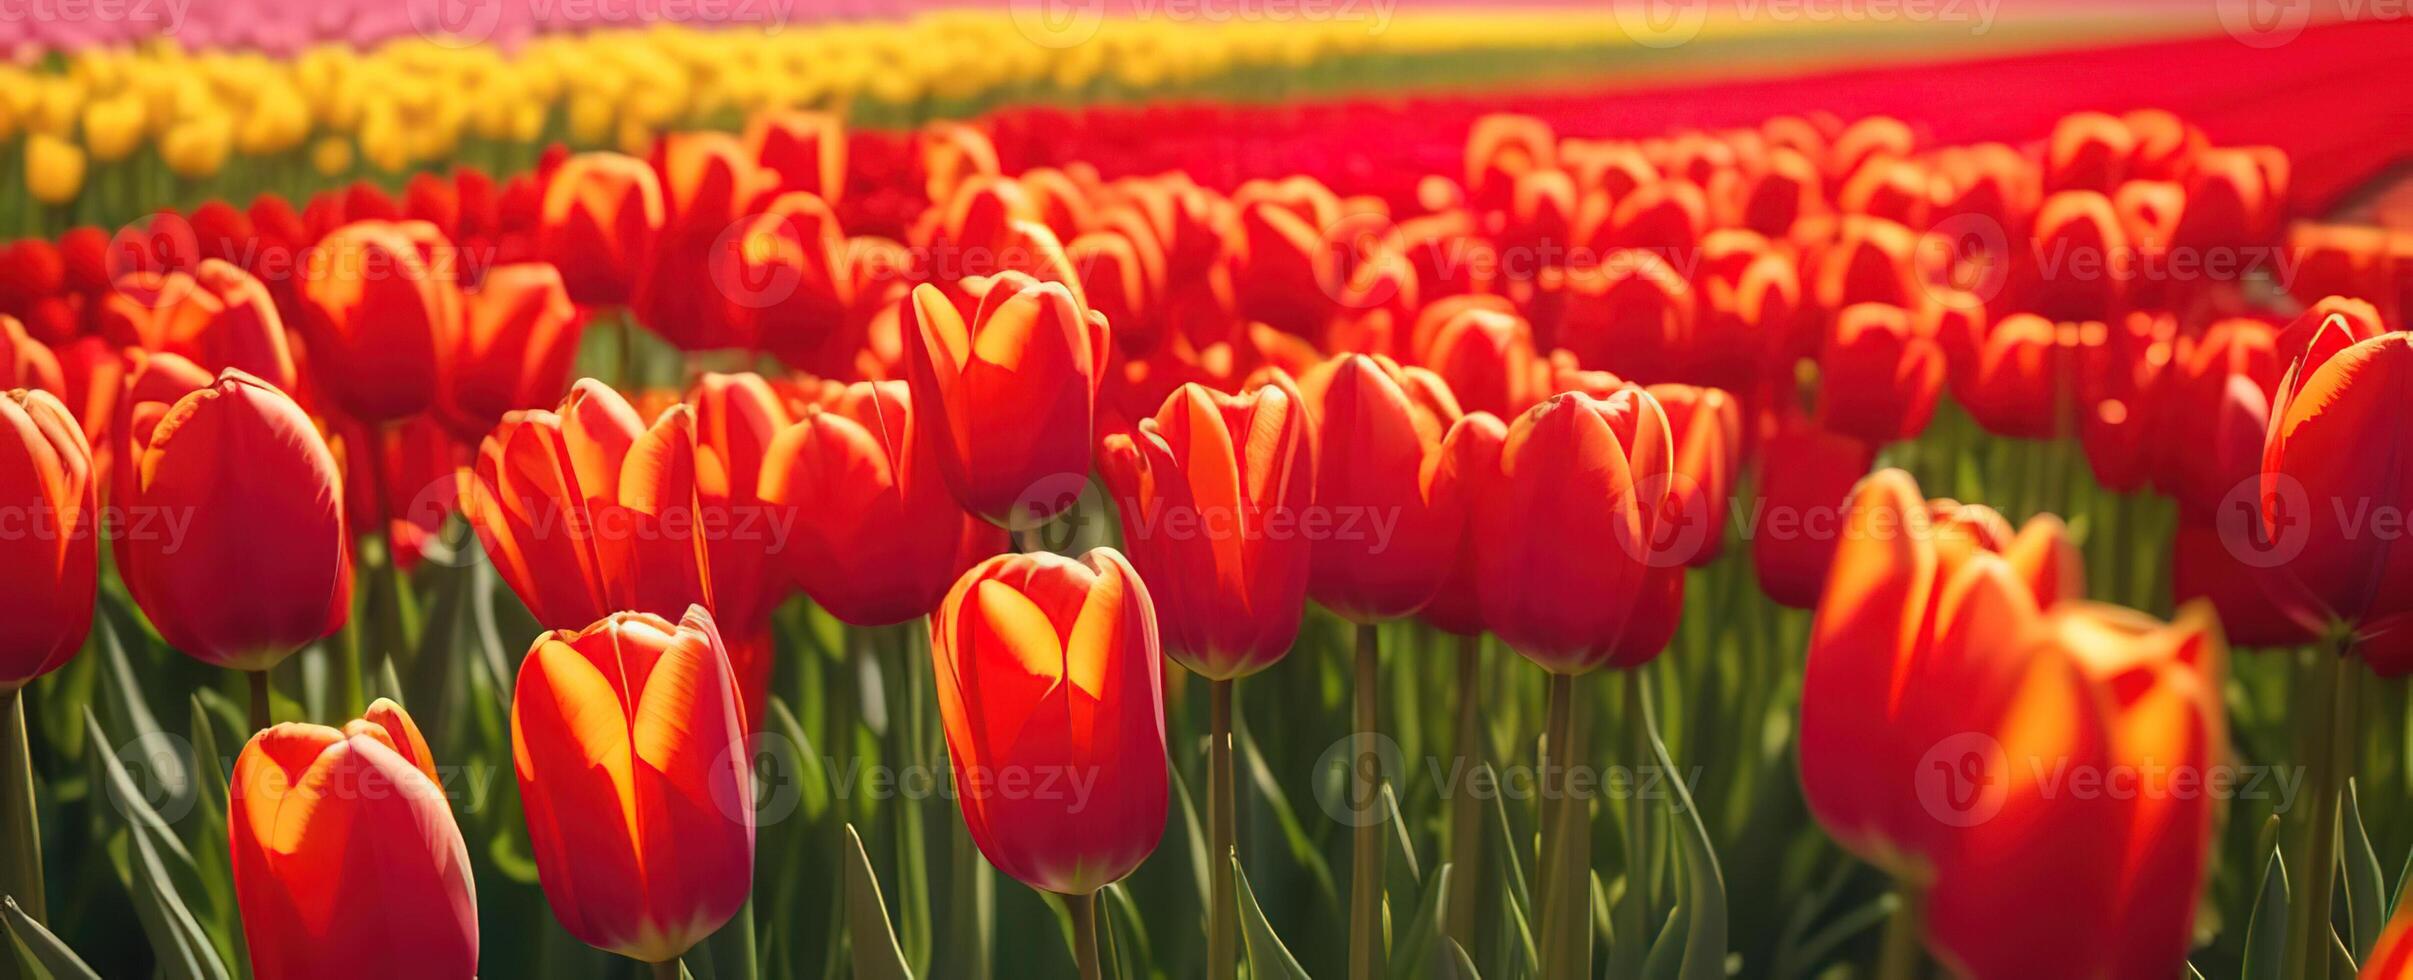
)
(1127, 931)
(2266, 926)
(1416, 953)
(728, 954)
(1268, 959)
(39, 947)
(1455, 964)
(1518, 909)
(1665, 961)
(153, 863)
(2366, 897)
(1704, 886)
(876, 955)
(1303, 849)
(206, 832)
(1403, 874)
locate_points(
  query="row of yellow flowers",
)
(416, 101)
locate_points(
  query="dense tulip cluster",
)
(1537, 398)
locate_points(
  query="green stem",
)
(1899, 959)
(1084, 911)
(21, 877)
(1223, 927)
(1566, 905)
(2327, 743)
(667, 969)
(1365, 878)
(1466, 809)
(259, 700)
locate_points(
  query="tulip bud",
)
(375, 306)
(878, 540)
(2335, 479)
(1007, 395)
(518, 333)
(51, 560)
(1390, 519)
(634, 771)
(1706, 426)
(347, 861)
(1805, 474)
(601, 212)
(1880, 376)
(1211, 490)
(1048, 675)
(585, 510)
(192, 515)
(1577, 498)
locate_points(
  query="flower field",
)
(1204, 490)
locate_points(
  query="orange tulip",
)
(2392, 957)
(49, 490)
(1050, 687)
(1211, 492)
(633, 767)
(1906, 573)
(601, 212)
(876, 538)
(347, 861)
(2036, 874)
(790, 271)
(219, 317)
(517, 336)
(1389, 514)
(807, 149)
(1567, 527)
(585, 510)
(190, 516)
(1472, 455)
(1007, 395)
(2334, 487)
(26, 362)
(377, 300)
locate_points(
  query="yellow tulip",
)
(332, 156)
(54, 169)
(196, 149)
(114, 127)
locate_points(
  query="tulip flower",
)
(1880, 376)
(1212, 489)
(2083, 261)
(191, 516)
(1805, 474)
(517, 335)
(377, 300)
(1577, 498)
(1006, 395)
(601, 212)
(708, 184)
(1706, 429)
(877, 539)
(26, 362)
(736, 419)
(2054, 882)
(1050, 689)
(408, 488)
(219, 316)
(2330, 460)
(347, 861)
(53, 551)
(1392, 520)
(634, 771)
(807, 149)
(586, 510)
(790, 269)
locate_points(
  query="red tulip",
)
(585, 510)
(1880, 375)
(1577, 498)
(1212, 491)
(219, 317)
(53, 552)
(1050, 687)
(518, 333)
(377, 301)
(2206, 563)
(807, 149)
(708, 184)
(1706, 427)
(26, 362)
(410, 488)
(877, 540)
(635, 774)
(190, 516)
(1805, 474)
(2083, 262)
(1007, 394)
(1390, 516)
(2088, 151)
(1472, 456)
(601, 213)
(347, 861)
(2335, 482)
